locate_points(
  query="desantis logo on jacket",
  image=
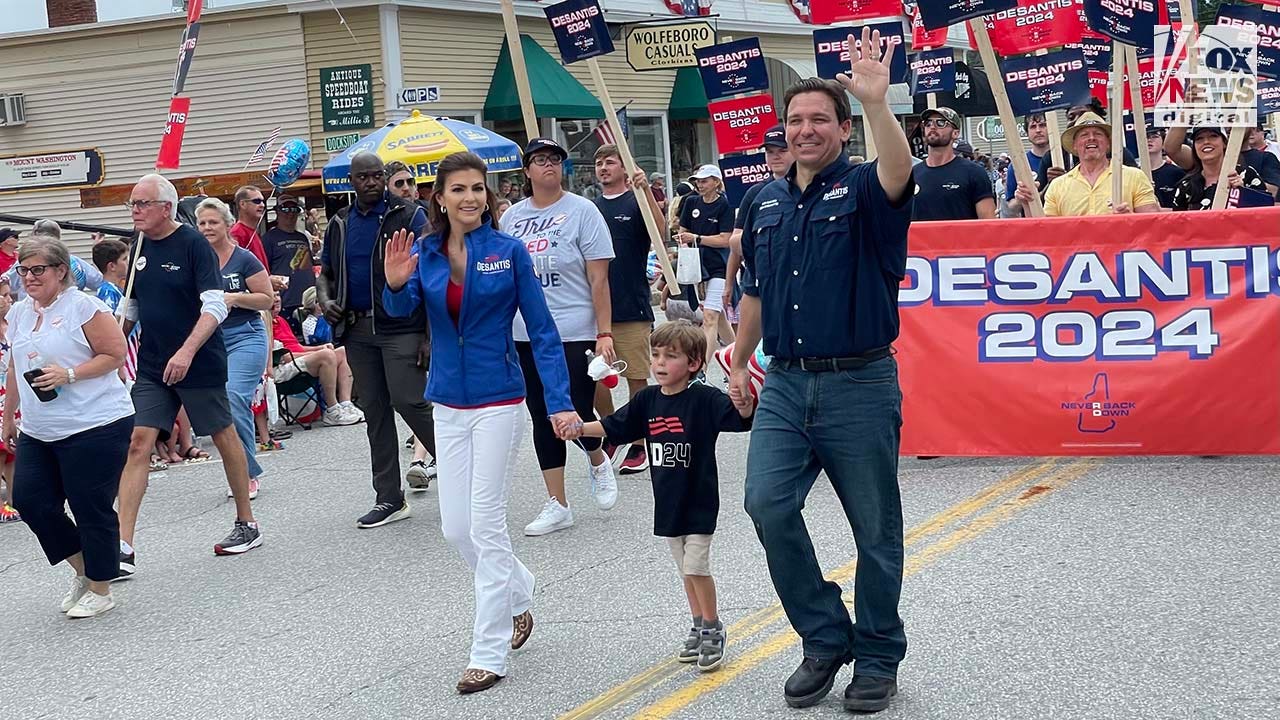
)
(492, 264)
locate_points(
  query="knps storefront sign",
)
(662, 47)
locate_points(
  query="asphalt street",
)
(1035, 588)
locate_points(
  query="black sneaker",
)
(128, 566)
(811, 681)
(383, 514)
(616, 453)
(636, 461)
(243, 538)
(868, 694)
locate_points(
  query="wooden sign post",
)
(656, 235)
(1021, 168)
(1116, 101)
(1139, 110)
(521, 73)
(1229, 159)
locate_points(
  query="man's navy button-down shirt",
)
(827, 262)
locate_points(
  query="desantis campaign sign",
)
(740, 123)
(1040, 83)
(1035, 25)
(732, 68)
(941, 13)
(175, 127)
(831, 49)
(1263, 22)
(825, 12)
(1268, 97)
(922, 39)
(741, 172)
(933, 71)
(1106, 335)
(1130, 21)
(580, 29)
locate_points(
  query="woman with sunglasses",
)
(76, 421)
(472, 279)
(571, 248)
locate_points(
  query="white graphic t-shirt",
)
(561, 238)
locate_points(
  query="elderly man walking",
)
(387, 354)
(827, 248)
(182, 362)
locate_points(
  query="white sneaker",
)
(253, 490)
(91, 604)
(553, 517)
(338, 415)
(79, 586)
(604, 485)
(352, 410)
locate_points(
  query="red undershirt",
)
(453, 303)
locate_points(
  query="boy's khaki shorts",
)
(692, 554)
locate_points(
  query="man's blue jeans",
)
(847, 423)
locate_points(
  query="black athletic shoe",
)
(383, 514)
(636, 461)
(811, 681)
(128, 566)
(243, 538)
(868, 694)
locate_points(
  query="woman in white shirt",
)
(77, 418)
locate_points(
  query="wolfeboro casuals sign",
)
(662, 47)
(1114, 335)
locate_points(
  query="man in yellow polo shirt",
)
(1086, 189)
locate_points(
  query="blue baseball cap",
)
(775, 136)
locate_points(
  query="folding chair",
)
(303, 385)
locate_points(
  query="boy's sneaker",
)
(243, 538)
(384, 514)
(253, 490)
(339, 415)
(637, 461)
(91, 604)
(79, 586)
(8, 514)
(128, 565)
(419, 474)
(604, 486)
(711, 654)
(692, 647)
(553, 517)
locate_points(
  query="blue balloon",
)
(289, 162)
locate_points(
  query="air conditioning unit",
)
(13, 110)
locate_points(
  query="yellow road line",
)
(758, 620)
(781, 641)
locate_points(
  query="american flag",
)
(689, 8)
(261, 151)
(604, 133)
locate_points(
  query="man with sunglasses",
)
(949, 187)
(387, 355)
(402, 183)
(250, 207)
(289, 253)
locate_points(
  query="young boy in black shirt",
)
(680, 423)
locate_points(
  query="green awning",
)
(688, 97)
(556, 93)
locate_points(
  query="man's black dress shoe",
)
(812, 681)
(867, 694)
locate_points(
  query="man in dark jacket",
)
(387, 354)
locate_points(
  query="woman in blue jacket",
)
(472, 279)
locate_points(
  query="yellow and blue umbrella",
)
(421, 143)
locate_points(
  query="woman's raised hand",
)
(400, 259)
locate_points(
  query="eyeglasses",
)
(403, 182)
(545, 160)
(255, 201)
(936, 122)
(37, 270)
(289, 209)
(143, 204)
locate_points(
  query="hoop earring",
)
(444, 210)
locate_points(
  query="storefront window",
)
(692, 145)
(579, 137)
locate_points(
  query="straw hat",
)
(1086, 120)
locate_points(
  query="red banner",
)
(740, 123)
(174, 128)
(922, 39)
(1036, 25)
(825, 12)
(194, 8)
(1110, 335)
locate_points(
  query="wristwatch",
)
(71, 376)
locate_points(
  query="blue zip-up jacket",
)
(475, 363)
